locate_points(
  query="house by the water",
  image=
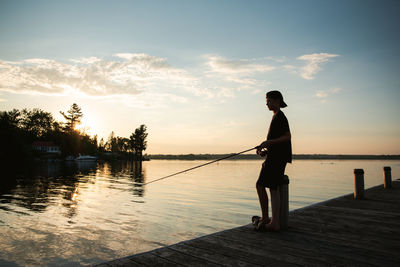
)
(46, 147)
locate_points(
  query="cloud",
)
(336, 90)
(240, 67)
(313, 64)
(140, 77)
(277, 59)
(148, 100)
(123, 74)
(323, 95)
(226, 92)
(126, 75)
(242, 74)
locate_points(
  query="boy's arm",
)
(286, 137)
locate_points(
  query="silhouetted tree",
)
(14, 141)
(18, 129)
(37, 122)
(138, 141)
(123, 144)
(94, 141)
(111, 144)
(88, 145)
(101, 145)
(73, 117)
(10, 118)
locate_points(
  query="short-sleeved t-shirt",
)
(278, 127)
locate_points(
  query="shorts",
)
(271, 174)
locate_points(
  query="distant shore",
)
(256, 157)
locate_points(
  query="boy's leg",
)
(275, 203)
(263, 198)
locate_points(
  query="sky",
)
(196, 72)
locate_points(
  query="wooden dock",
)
(340, 232)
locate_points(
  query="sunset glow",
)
(197, 74)
(88, 126)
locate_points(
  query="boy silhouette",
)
(278, 149)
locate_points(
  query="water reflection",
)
(59, 183)
(84, 213)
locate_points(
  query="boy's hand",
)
(261, 153)
(266, 144)
(263, 147)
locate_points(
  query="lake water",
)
(64, 214)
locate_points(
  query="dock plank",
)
(209, 255)
(324, 223)
(151, 259)
(339, 232)
(360, 241)
(259, 250)
(274, 247)
(339, 251)
(230, 250)
(183, 259)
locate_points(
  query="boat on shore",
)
(85, 158)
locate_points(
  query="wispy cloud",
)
(313, 64)
(238, 74)
(139, 78)
(324, 94)
(123, 74)
(238, 67)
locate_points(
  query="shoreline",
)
(256, 157)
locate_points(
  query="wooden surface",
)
(339, 232)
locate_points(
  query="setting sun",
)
(88, 125)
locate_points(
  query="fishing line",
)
(226, 157)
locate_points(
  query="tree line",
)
(20, 128)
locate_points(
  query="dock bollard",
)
(284, 207)
(358, 183)
(387, 177)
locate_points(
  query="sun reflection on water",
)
(85, 213)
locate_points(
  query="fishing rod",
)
(226, 157)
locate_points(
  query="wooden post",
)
(387, 177)
(358, 183)
(284, 207)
